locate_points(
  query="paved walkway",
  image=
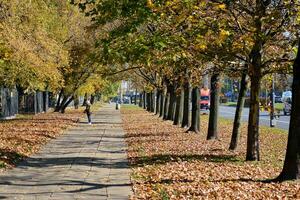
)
(88, 162)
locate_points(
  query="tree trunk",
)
(76, 102)
(141, 100)
(57, 107)
(291, 167)
(60, 106)
(214, 107)
(135, 97)
(195, 126)
(253, 122)
(238, 113)
(158, 96)
(144, 100)
(181, 106)
(255, 73)
(162, 106)
(186, 105)
(166, 106)
(66, 104)
(171, 103)
(177, 110)
(152, 101)
(148, 97)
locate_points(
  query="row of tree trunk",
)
(174, 104)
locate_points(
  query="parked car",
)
(205, 98)
(278, 99)
(126, 100)
(286, 95)
(287, 106)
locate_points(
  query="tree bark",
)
(57, 107)
(253, 122)
(291, 167)
(214, 107)
(141, 100)
(172, 102)
(186, 105)
(238, 113)
(166, 106)
(181, 106)
(162, 106)
(62, 103)
(195, 125)
(135, 97)
(76, 102)
(144, 99)
(152, 101)
(148, 103)
(158, 96)
(66, 104)
(177, 110)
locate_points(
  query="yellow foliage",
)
(36, 40)
(150, 4)
(201, 47)
(222, 6)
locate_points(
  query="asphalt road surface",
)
(264, 120)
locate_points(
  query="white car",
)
(286, 95)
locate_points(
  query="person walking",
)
(88, 111)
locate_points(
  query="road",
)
(229, 112)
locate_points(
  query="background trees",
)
(32, 34)
(165, 47)
(48, 45)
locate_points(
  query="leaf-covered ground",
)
(21, 137)
(168, 163)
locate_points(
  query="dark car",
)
(278, 99)
(204, 102)
(287, 106)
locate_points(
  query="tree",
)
(47, 45)
(291, 168)
(214, 107)
(256, 34)
(33, 34)
(195, 122)
(238, 112)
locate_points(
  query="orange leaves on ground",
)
(168, 163)
(24, 136)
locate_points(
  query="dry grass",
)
(21, 137)
(168, 163)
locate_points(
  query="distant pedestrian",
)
(88, 111)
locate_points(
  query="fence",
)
(37, 102)
(13, 102)
(8, 102)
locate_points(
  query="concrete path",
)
(88, 162)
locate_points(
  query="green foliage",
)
(110, 89)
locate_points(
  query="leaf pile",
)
(21, 137)
(169, 163)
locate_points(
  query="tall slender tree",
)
(238, 112)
